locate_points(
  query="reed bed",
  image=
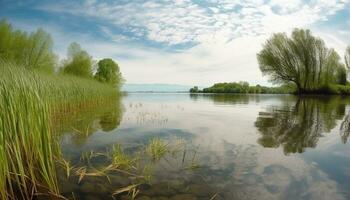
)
(29, 151)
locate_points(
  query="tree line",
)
(241, 87)
(34, 51)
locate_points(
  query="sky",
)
(186, 42)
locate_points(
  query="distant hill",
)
(155, 88)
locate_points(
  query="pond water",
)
(232, 147)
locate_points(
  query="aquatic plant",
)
(27, 145)
(29, 149)
(156, 149)
(120, 159)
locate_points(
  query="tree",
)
(79, 62)
(347, 57)
(108, 72)
(301, 59)
(341, 76)
(33, 51)
(194, 89)
(40, 56)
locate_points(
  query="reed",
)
(157, 148)
(29, 150)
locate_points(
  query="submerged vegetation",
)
(136, 165)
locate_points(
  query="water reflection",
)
(345, 129)
(234, 138)
(299, 126)
(111, 119)
(81, 124)
(232, 99)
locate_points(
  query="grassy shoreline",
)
(29, 149)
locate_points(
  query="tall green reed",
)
(28, 148)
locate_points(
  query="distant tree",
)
(33, 51)
(301, 59)
(108, 72)
(194, 89)
(242, 88)
(79, 62)
(347, 57)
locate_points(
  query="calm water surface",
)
(243, 146)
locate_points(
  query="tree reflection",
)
(81, 124)
(232, 99)
(299, 126)
(225, 98)
(345, 129)
(111, 119)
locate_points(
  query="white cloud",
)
(181, 21)
(228, 36)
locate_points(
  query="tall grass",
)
(28, 147)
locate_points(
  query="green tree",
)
(33, 51)
(301, 59)
(347, 57)
(194, 89)
(341, 76)
(40, 56)
(108, 72)
(79, 62)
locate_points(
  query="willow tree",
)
(79, 62)
(347, 57)
(302, 59)
(31, 50)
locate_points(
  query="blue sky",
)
(191, 42)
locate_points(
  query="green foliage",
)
(243, 88)
(194, 89)
(301, 59)
(341, 76)
(79, 62)
(342, 89)
(29, 50)
(108, 72)
(120, 159)
(29, 102)
(347, 57)
(28, 147)
(156, 149)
